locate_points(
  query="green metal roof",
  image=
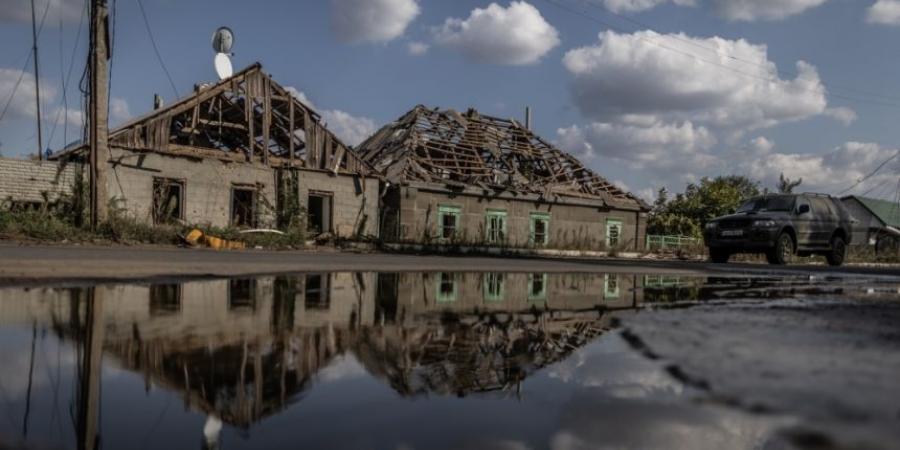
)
(888, 212)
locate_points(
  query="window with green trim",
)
(495, 226)
(537, 286)
(494, 287)
(613, 233)
(448, 221)
(540, 229)
(447, 288)
(611, 286)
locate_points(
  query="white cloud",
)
(642, 143)
(372, 20)
(349, 128)
(627, 74)
(417, 48)
(20, 11)
(830, 172)
(626, 6)
(842, 114)
(884, 12)
(751, 10)
(516, 35)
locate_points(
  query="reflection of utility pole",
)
(30, 379)
(99, 110)
(89, 374)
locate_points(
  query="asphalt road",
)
(23, 264)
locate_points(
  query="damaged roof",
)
(245, 118)
(471, 149)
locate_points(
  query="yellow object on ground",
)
(196, 237)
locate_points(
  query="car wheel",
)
(838, 251)
(783, 252)
(719, 256)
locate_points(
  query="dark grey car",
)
(781, 226)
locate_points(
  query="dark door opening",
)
(319, 211)
(243, 208)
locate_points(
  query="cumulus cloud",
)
(842, 114)
(884, 12)
(830, 172)
(349, 128)
(19, 11)
(372, 20)
(515, 35)
(751, 10)
(417, 48)
(642, 143)
(627, 74)
(626, 6)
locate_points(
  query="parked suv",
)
(781, 226)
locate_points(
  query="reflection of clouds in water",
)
(610, 365)
(596, 420)
(342, 367)
(15, 354)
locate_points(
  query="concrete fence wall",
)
(27, 181)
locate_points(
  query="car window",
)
(821, 206)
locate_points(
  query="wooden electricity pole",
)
(37, 81)
(99, 111)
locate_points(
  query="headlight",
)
(710, 225)
(764, 223)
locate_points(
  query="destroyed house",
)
(472, 179)
(242, 152)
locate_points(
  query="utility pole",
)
(37, 81)
(98, 106)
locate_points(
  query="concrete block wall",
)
(351, 211)
(208, 184)
(23, 180)
(571, 226)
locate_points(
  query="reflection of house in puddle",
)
(243, 349)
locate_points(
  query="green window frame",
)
(540, 229)
(446, 287)
(613, 233)
(494, 287)
(537, 287)
(495, 226)
(448, 221)
(611, 286)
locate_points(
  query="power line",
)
(68, 77)
(821, 90)
(871, 174)
(155, 48)
(784, 73)
(24, 66)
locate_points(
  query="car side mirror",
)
(803, 209)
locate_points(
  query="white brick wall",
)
(24, 180)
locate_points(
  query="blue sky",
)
(649, 93)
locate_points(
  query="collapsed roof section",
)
(471, 149)
(246, 118)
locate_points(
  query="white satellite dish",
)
(223, 40)
(223, 66)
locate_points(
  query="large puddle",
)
(364, 361)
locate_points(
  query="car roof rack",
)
(816, 194)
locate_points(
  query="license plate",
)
(732, 233)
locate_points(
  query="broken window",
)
(165, 299)
(288, 209)
(446, 288)
(494, 287)
(540, 226)
(318, 292)
(613, 233)
(495, 228)
(243, 207)
(319, 212)
(537, 286)
(168, 201)
(242, 295)
(448, 221)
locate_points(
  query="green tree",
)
(689, 211)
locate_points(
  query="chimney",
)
(157, 102)
(528, 118)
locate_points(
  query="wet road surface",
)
(454, 360)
